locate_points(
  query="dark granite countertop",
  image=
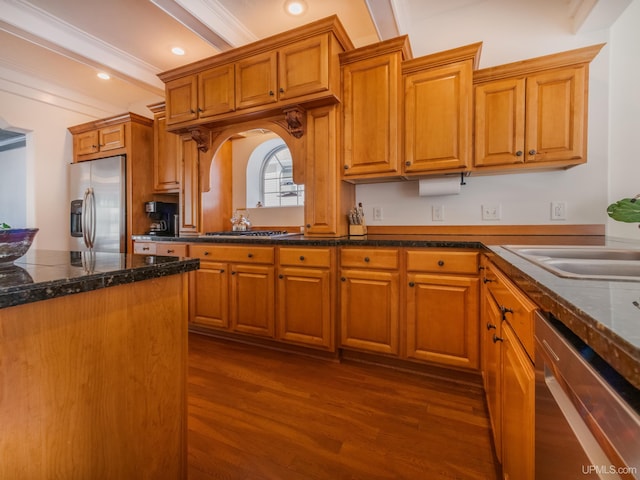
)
(602, 313)
(46, 274)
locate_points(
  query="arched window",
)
(277, 188)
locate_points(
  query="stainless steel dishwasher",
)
(587, 422)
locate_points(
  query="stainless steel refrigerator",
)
(97, 210)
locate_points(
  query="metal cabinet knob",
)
(412, 284)
(250, 255)
(407, 163)
(302, 258)
(519, 153)
(206, 253)
(490, 326)
(222, 270)
(441, 263)
(346, 167)
(487, 280)
(280, 276)
(367, 259)
(532, 152)
(497, 339)
(170, 251)
(343, 279)
(281, 90)
(271, 94)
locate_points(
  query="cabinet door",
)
(499, 123)
(556, 116)
(166, 164)
(182, 99)
(491, 328)
(256, 80)
(518, 406)
(369, 310)
(304, 306)
(321, 171)
(189, 186)
(86, 143)
(209, 295)
(216, 91)
(438, 112)
(442, 319)
(372, 105)
(303, 68)
(112, 137)
(253, 299)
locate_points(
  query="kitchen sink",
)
(597, 263)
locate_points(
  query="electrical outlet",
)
(492, 211)
(377, 214)
(437, 213)
(558, 210)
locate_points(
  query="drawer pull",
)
(170, 250)
(487, 280)
(497, 339)
(440, 263)
(145, 248)
(233, 273)
(222, 270)
(412, 284)
(250, 255)
(206, 253)
(343, 279)
(280, 276)
(302, 258)
(367, 259)
(504, 311)
(490, 326)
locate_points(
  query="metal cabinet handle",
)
(497, 339)
(487, 280)
(170, 251)
(490, 326)
(145, 248)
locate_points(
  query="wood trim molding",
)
(469, 230)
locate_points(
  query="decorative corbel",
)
(295, 121)
(202, 137)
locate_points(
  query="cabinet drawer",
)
(144, 248)
(172, 249)
(308, 257)
(515, 306)
(369, 258)
(443, 261)
(233, 254)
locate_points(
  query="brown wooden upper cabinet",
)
(438, 111)
(533, 114)
(300, 66)
(202, 95)
(372, 106)
(99, 140)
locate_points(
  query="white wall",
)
(13, 209)
(48, 152)
(624, 119)
(508, 36)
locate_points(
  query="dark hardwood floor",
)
(255, 413)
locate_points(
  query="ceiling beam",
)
(384, 18)
(24, 20)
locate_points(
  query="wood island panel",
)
(93, 385)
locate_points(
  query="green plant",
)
(625, 210)
(4, 225)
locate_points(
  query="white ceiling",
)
(51, 50)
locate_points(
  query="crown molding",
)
(33, 24)
(24, 85)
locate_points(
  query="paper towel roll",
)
(431, 187)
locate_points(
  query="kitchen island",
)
(93, 355)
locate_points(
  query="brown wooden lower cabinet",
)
(508, 372)
(252, 302)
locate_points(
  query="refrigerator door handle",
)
(85, 227)
(92, 219)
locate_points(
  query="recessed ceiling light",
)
(295, 7)
(104, 76)
(177, 51)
